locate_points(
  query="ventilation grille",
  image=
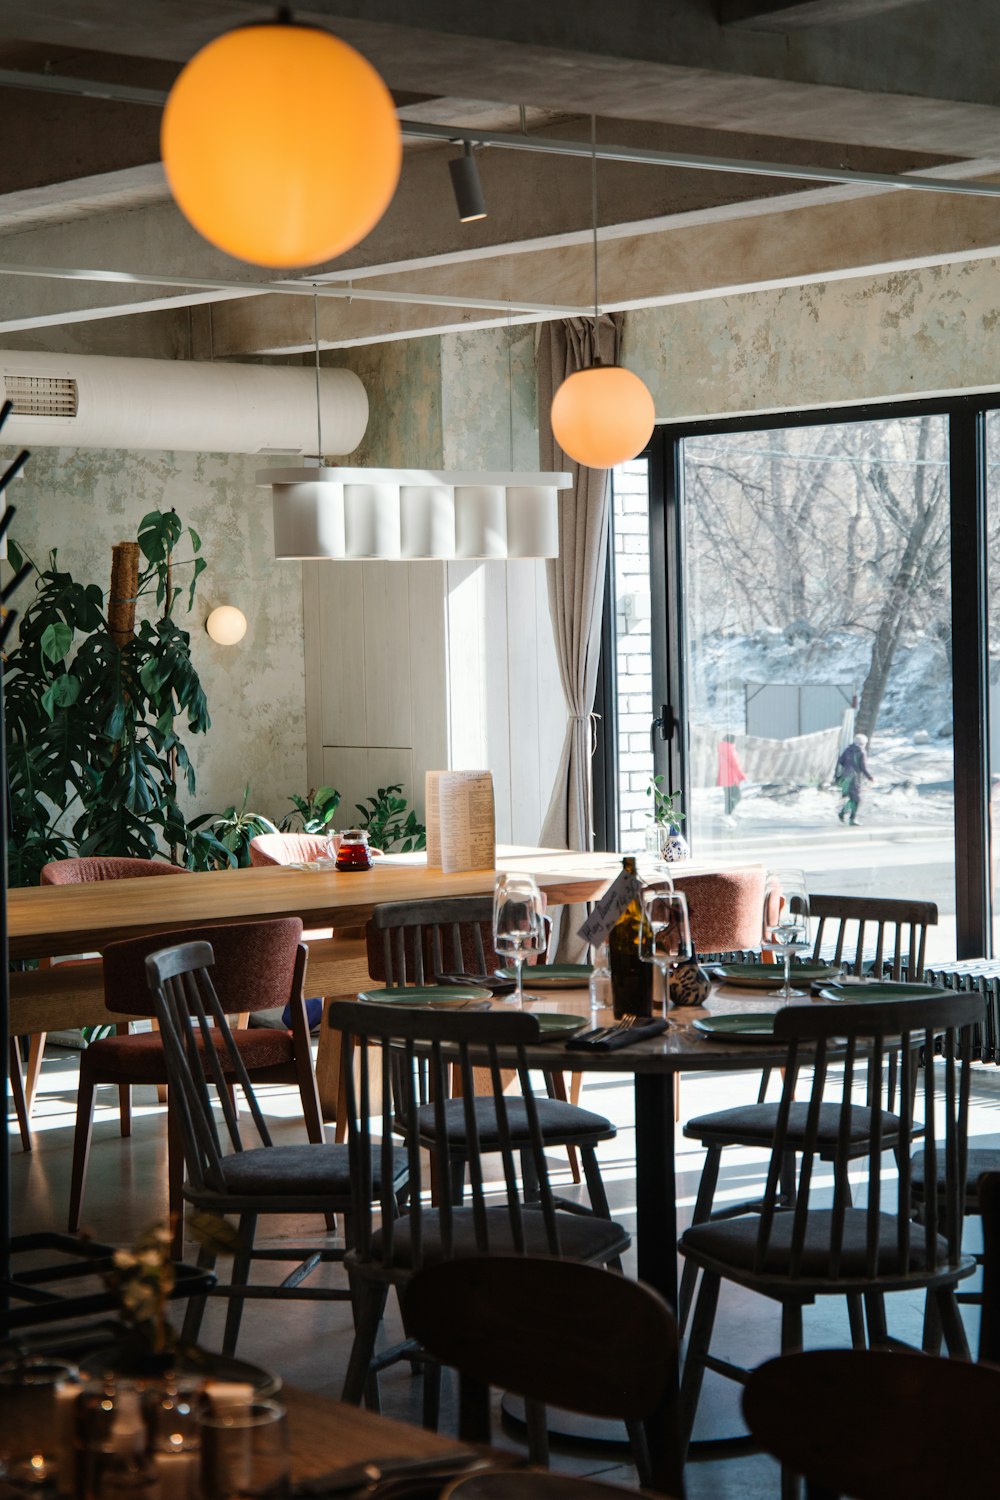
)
(41, 395)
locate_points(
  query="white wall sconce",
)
(226, 625)
(408, 515)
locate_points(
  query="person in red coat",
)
(731, 773)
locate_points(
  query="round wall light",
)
(226, 625)
(602, 416)
(281, 144)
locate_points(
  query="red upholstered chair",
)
(725, 909)
(287, 848)
(258, 965)
(81, 872)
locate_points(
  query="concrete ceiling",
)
(886, 86)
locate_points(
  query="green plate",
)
(742, 1027)
(887, 990)
(455, 995)
(771, 976)
(554, 1025)
(552, 976)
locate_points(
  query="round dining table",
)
(654, 1064)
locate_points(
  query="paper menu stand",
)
(620, 894)
(461, 821)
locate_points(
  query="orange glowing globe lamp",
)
(281, 145)
(602, 416)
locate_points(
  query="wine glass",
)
(786, 925)
(665, 934)
(518, 926)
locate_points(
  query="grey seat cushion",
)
(733, 1243)
(313, 1170)
(560, 1123)
(980, 1160)
(581, 1237)
(755, 1124)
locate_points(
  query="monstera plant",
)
(96, 707)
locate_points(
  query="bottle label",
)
(619, 895)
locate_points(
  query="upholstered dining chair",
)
(286, 849)
(257, 965)
(409, 1053)
(724, 909)
(249, 1180)
(84, 871)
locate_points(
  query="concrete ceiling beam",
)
(789, 15)
(710, 258)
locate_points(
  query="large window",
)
(786, 588)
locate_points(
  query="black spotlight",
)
(467, 187)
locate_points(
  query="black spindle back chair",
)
(795, 1254)
(412, 1054)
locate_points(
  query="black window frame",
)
(970, 643)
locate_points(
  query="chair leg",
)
(124, 1093)
(765, 1079)
(36, 1051)
(931, 1341)
(694, 1365)
(702, 1211)
(856, 1317)
(878, 1332)
(242, 1260)
(431, 1415)
(595, 1183)
(951, 1323)
(538, 1433)
(557, 1090)
(175, 1182)
(369, 1305)
(17, 1090)
(791, 1327)
(81, 1144)
(196, 1305)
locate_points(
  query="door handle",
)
(665, 725)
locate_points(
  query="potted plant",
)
(386, 821)
(229, 836)
(313, 813)
(664, 836)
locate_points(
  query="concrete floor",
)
(308, 1344)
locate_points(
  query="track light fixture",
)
(467, 188)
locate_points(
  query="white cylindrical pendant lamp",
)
(532, 521)
(480, 520)
(371, 520)
(308, 520)
(427, 520)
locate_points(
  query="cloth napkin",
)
(621, 1038)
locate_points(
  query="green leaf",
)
(65, 690)
(56, 640)
(199, 567)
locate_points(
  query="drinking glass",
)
(518, 926)
(665, 934)
(786, 924)
(244, 1452)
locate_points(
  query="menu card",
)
(461, 821)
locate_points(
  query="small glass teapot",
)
(354, 853)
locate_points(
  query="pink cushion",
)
(140, 1059)
(100, 867)
(287, 848)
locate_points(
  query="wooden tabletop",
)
(325, 1434)
(49, 921)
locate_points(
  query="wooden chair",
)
(415, 1050)
(558, 1333)
(901, 937)
(411, 942)
(84, 872)
(248, 1181)
(257, 965)
(794, 1255)
(878, 1426)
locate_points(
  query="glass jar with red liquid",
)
(354, 853)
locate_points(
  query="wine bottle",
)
(631, 979)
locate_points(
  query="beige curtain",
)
(576, 593)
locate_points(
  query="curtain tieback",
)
(582, 719)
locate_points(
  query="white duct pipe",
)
(92, 401)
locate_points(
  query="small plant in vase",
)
(666, 818)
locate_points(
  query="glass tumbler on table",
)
(245, 1453)
(665, 938)
(518, 925)
(786, 926)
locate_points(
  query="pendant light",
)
(281, 144)
(603, 415)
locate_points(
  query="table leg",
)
(656, 1183)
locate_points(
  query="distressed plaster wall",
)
(83, 500)
(918, 333)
